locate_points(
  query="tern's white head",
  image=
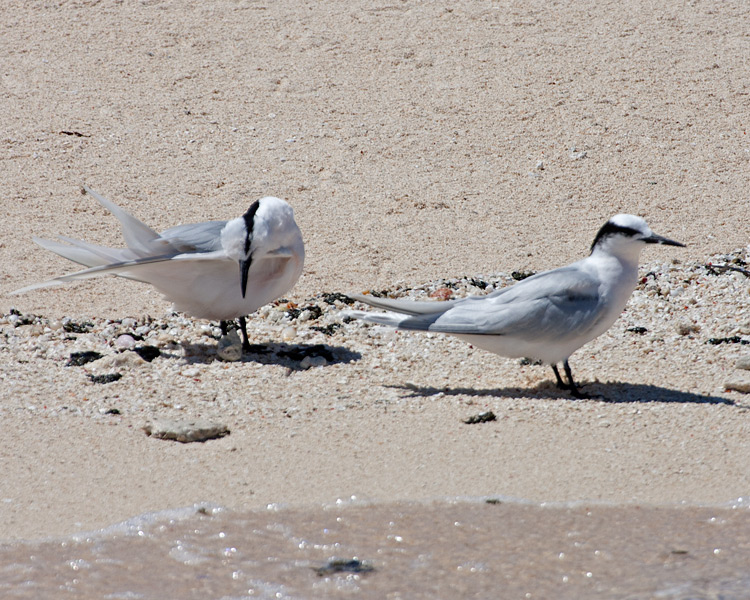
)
(268, 227)
(625, 236)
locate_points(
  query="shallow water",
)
(464, 549)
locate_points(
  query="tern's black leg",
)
(560, 383)
(243, 329)
(572, 387)
(245, 340)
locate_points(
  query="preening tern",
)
(547, 316)
(218, 270)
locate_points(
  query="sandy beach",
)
(417, 143)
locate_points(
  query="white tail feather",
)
(407, 307)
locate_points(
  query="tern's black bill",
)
(657, 239)
(244, 268)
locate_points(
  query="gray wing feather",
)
(141, 269)
(144, 241)
(545, 305)
(196, 237)
(138, 236)
(85, 253)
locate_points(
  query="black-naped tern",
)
(547, 316)
(219, 270)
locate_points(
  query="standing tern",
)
(547, 316)
(218, 270)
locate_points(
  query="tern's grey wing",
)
(151, 270)
(138, 236)
(407, 307)
(547, 305)
(196, 237)
(83, 253)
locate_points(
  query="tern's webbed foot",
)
(576, 393)
(570, 386)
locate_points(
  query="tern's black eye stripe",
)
(249, 217)
(610, 228)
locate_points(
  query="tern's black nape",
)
(249, 217)
(609, 229)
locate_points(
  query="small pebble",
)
(687, 328)
(575, 154)
(288, 333)
(484, 417)
(164, 338)
(106, 378)
(123, 360)
(743, 362)
(339, 565)
(189, 430)
(125, 341)
(442, 294)
(230, 347)
(313, 361)
(738, 383)
(78, 359)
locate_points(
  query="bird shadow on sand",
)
(612, 392)
(282, 354)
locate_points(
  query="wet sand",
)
(446, 550)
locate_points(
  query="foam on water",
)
(136, 526)
(459, 548)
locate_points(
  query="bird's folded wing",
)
(84, 253)
(138, 236)
(550, 304)
(141, 269)
(195, 237)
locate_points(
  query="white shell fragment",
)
(125, 341)
(230, 347)
(313, 361)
